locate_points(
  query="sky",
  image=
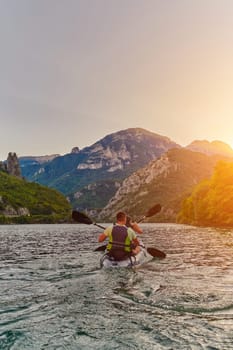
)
(74, 71)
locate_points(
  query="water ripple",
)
(54, 295)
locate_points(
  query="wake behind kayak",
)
(107, 261)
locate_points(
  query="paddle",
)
(151, 212)
(84, 219)
(156, 253)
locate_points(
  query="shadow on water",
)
(55, 296)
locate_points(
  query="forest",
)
(211, 201)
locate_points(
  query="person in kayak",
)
(133, 225)
(123, 241)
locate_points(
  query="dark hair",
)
(128, 221)
(120, 216)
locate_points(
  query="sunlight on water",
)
(55, 296)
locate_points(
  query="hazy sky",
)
(73, 71)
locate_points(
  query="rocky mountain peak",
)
(124, 148)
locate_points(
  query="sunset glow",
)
(93, 69)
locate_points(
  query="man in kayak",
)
(123, 241)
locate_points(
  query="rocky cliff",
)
(12, 165)
(90, 177)
(124, 149)
(166, 180)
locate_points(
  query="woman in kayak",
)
(123, 241)
(133, 225)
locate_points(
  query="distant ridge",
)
(209, 148)
(38, 159)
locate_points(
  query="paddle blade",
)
(101, 248)
(156, 253)
(154, 210)
(81, 217)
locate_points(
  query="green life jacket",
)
(119, 239)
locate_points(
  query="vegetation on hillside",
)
(211, 202)
(183, 169)
(39, 203)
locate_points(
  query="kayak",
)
(107, 261)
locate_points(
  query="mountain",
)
(167, 180)
(91, 176)
(24, 202)
(29, 164)
(209, 148)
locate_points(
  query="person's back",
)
(122, 239)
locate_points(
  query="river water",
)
(53, 295)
